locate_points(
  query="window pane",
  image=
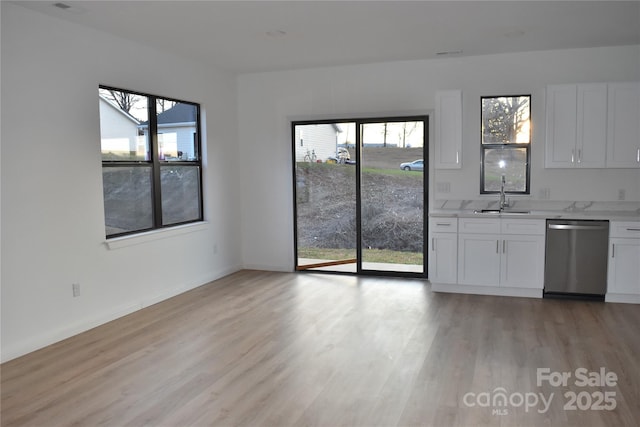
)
(510, 162)
(392, 196)
(180, 193)
(127, 199)
(325, 175)
(123, 126)
(505, 120)
(177, 136)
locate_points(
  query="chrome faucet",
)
(504, 203)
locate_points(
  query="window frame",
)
(155, 163)
(509, 146)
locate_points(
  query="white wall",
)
(52, 208)
(269, 101)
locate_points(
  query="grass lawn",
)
(369, 255)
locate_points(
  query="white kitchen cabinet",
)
(623, 133)
(522, 263)
(623, 281)
(448, 122)
(576, 134)
(479, 259)
(443, 250)
(501, 252)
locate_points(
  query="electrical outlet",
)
(76, 289)
(443, 187)
(545, 193)
(621, 194)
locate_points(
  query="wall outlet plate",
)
(544, 193)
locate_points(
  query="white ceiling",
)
(253, 36)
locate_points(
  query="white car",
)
(416, 165)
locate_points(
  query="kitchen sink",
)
(487, 211)
(498, 211)
(516, 212)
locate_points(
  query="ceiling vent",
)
(449, 52)
(62, 6)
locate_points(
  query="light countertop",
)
(540, 214)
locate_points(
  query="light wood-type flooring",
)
(299, 349)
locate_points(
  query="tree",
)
(503, 118)
(384, 134)
(163, 105)
(407, 129)
(124, 100)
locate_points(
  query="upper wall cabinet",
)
(448, 129)
(623, 135)
(576, 126)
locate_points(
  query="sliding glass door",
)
(392, 196)
(325, 191)
(360, 195)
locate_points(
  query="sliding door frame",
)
(424, 118)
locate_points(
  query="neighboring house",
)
(321, 139)
(119, 131)
(176, 132)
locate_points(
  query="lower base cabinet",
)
(522, 262)
(505, 256)
(478, 259)
(501, 260)
(443, 255)
(623, 281)
(489, 256)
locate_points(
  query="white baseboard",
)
(623, 298)
(486, 290)
(53, 336)
(262, 267)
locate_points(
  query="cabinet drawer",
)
(624, 229)
(479, 225)
(523, 226)
(443, 225)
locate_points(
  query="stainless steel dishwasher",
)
(576, 258)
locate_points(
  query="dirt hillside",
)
(392, 202)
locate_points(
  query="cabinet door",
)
(561, 113)
(522, 264)
(443, 258)
(479, 259)
(448, 129)
(624, 266)
(591, 146)
(623, 125)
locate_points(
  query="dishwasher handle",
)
(577, 227)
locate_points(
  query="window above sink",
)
(505, 144)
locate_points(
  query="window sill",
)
(149, 236)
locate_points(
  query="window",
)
(151, 162)
(506, 144)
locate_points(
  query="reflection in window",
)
(506, 142)
(128, 199)
(121, 117)
(510, 162)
